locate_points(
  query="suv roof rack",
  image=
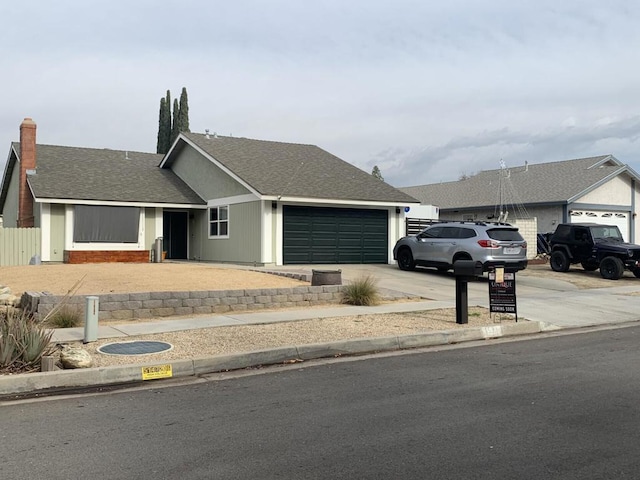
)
(472, 222)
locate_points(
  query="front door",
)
(175, 228)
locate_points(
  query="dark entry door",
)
(175, 234)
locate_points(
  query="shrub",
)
(362, 291)
(23, 341)
(66, 317)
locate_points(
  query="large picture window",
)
(101, 224)
(219, 221)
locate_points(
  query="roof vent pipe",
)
(206, 133)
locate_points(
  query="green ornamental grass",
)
(362, 291)
(66, 317)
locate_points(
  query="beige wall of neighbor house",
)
(10, 212)
(635, 220)
(528, 228)
(616, 191)
(244, 242)
(204, 177)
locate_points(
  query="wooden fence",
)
(19, 245)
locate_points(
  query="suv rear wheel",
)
(611, 268)
(559, 261)
(405, 259)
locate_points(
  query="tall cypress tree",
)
(183, 114)
(170, 126)
(162, 133)
(175, 128)
(167, 123)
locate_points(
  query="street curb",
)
(41, 382)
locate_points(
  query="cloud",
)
(426, 90)
(468, 155)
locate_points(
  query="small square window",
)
(219, 221)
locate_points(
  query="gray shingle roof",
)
(295, 170)
(106, 175)
(543, 183)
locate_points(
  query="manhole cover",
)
(137, 347)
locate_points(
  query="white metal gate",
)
(18, 245)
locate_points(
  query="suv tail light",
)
(488, 244)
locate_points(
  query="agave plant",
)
(23, 341)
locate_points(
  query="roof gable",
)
(554, 182)
(289, 170)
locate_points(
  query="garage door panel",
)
(618, 218)
(334, 235)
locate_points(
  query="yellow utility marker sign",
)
(157, 371)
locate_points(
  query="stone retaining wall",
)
(124, 306)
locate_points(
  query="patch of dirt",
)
(101, 278)
(226, 340)
(580, 277)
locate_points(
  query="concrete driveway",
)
(538, 298)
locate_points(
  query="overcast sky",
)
(426, 90)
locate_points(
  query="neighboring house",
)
(596, 189)
(211, 198)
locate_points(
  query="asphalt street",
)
(563, 407)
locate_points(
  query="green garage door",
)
(334, 235)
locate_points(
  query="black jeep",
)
(593, 246)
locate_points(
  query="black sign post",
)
(502, 294)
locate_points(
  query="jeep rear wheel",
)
(559, 261)
(405, 259)
(611, 268)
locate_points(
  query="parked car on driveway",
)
(441, 244)
(593, 246)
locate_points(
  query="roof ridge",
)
(229, 137)
(98, 149)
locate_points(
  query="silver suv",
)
(441, 244)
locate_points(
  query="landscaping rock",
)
(9, 299)
(75, 357)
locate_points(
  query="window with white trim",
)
(219, 221)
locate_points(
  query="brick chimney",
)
(27, 162)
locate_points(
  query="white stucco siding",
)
(636, 221)
(616, 191)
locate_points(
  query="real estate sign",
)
(502, 292)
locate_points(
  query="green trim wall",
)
(10, 209)
(56, 232)
(205, 178)
(245, 236)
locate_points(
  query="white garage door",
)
(621, 219)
